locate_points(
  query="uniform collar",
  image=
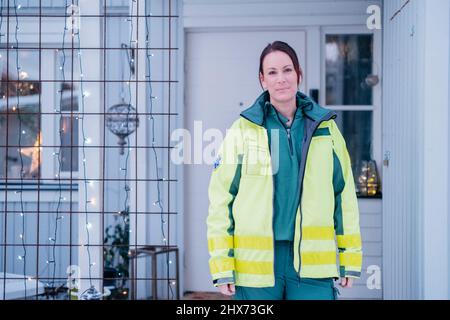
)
(262, 106)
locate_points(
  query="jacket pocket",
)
(336, 293)
(318, 282)
(256, 161)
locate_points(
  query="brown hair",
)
(283, 47)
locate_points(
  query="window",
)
(351, 88)
(67, 104)
(36, 119)
(356, 127)
(348, 62)
(20, 136)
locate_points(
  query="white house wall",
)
(250, 13)
(434, 108)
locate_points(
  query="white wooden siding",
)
(415, 134)
(371, 233)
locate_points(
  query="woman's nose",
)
(281, 79)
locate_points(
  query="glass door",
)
(351, 85)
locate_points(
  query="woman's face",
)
(279, 77)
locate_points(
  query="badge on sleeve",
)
(217, 162)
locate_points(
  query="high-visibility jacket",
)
(240, 219)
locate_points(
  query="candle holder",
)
(368, 180)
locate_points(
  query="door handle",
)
(387, 157)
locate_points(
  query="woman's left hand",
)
(346, 282)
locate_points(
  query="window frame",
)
(48, 103)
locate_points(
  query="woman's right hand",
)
(227, 289)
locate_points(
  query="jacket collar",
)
(257, 112)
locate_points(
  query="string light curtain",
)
(88, 101)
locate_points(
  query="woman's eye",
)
(272, 72)
(288, 70)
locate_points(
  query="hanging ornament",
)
(122, 120)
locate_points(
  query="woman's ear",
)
(300, 80)
(261, 80)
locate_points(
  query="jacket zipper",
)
(273, 206)
(329, 116)
(307, 143)
(288, 131)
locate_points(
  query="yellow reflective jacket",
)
(240, 219)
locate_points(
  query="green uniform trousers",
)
(288, 284)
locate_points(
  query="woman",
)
(282, 194)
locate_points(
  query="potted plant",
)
(116, 258)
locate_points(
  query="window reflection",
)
(348, 62)
(68, 104)
(20, 138)
(356, 127)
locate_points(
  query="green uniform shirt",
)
(286, 180)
